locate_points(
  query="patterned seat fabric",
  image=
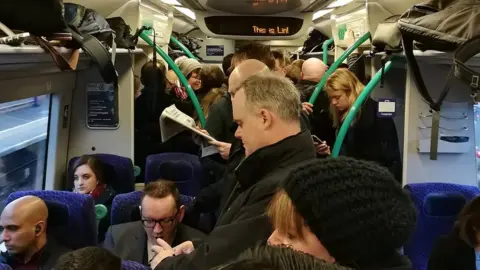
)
(184, 169)
(119, 172)
(125, 206)
(438, 205)
(81, 229)
(131, 265)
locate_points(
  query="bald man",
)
(24, 236)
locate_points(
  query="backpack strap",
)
(99, 54)
(466, 51)
(435, 106)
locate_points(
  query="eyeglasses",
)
(165, 222)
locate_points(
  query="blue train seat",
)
(438, 205)
(184, 169)
(80, 230)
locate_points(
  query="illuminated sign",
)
(253, 25)
(271, 31)
(258, 2)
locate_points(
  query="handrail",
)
(325, 50)
(356, 105)
(183, 80)
(335, 65)
(182, 47)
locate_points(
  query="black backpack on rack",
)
(314, 42)
(44, 18)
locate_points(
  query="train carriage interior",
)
(60, 102)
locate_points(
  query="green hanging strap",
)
(335, 65)
(183, 80)
(325, 50)
(182, 47)
(356, 105)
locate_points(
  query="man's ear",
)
(266, 118)
(40, 228)
(301, 75)
(181, 213)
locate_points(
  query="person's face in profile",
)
(250, 123)
(84, 179)
(160, 218)
(307, 243)
(18, 234)
(279, 69)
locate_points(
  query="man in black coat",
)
(267, 111)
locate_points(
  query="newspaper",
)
(174, 121)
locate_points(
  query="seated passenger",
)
(344, 211)
(161, 214)
(24, 235)
(90, 177)
(369, 137)
(461, 248)
(89, 258)
(278, 258)
(267, 109)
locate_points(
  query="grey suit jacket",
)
(129, 240)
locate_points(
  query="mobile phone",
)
(317, 140)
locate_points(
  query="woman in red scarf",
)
(89, 178)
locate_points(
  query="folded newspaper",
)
(174, 121)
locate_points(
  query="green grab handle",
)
(356, 105)
(335, 65)
(325, 50)
(182, 47)
(100, 211)
(136, 170)
(183, 80)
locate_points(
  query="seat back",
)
(184, 169)
(5, 267)
(125, 207)
(438, 205)
(131, 265)
(120, 172)
(80, 230)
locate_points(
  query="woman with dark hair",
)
(90, 177)
(461, 248)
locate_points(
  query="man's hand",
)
(184, 248)
(223, 148)
(163, 250)
(307, 108)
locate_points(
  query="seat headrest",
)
(57, 214)
(177, 171)
(444, 204)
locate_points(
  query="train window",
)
(23, 144)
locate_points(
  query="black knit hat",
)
(356, 209)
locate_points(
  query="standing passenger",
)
(369, 137)
(267, 110)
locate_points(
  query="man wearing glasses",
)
(161, 216)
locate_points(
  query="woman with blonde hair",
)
(369, 137)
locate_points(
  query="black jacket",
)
(374, 139)
(129, 240)
(321, 123)
(450, 252)
(50, 254)
(105, 198)
(243, 222)
(220, 123)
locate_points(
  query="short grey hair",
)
(275, 93)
